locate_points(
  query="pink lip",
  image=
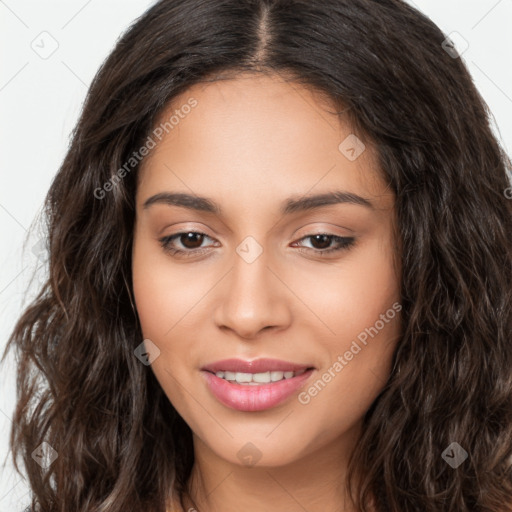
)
(255, 366)
(254, 398)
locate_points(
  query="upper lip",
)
(255, 366)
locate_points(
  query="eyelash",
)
(344, 243)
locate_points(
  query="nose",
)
(252, 298)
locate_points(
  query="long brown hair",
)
(120, 444)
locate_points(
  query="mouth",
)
(254, 385)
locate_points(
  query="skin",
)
(249, 144)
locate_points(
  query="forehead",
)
(253, 134)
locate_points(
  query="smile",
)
(256, 379)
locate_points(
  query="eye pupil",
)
(188, 238)
(325, 241)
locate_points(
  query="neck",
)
(316, 482)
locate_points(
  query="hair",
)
(121, 445)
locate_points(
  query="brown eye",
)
(184, 243)
(322, 243)
(191, 240)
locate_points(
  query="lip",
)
(254, 398)
(255, 366)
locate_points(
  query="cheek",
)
(369, 291)
(169, 298)
(165, 294)
(162, 296)
(345, 388)
(362, 313)
(149, 287)
(349, 296)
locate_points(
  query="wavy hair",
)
(79, 386)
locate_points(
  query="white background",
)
(40, 100)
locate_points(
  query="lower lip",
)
(254, 398)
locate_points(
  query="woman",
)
(280, 273)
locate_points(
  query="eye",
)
(322, 243)
(190, 243)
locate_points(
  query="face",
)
(262, 268)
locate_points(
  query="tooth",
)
(253, 379)
(275, 376)
(261, 377)
(243, 377)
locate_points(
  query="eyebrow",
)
(293, 204)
